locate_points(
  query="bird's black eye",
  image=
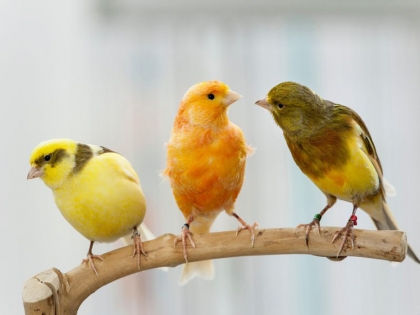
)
(47, 157)
(280, 105)
(210, 96)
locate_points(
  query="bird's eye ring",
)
(211, 96)
(280, 105)
(47, 157)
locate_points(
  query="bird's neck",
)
(305, 130)
(208, 120)
(300, 124)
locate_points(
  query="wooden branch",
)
(54, 293)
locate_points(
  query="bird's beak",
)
(232, 97)
(35, 172)
(264, 103)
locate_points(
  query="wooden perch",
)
(54, 293)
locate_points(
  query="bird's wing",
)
(120, 164)
(368, 146)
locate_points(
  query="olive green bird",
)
(332, 146)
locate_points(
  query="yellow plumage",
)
(105, 201)
(356, 177)
(96, 190)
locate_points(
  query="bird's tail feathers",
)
(203, 269)
(390, 223)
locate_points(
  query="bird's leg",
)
(137, 246)
(315, 222)
(185, 233)
(347, 231)
(246, 226)
(90, 258)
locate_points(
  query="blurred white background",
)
(113, 72)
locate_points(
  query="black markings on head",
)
(52, 158)
(83, 155)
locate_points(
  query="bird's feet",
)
(138, 249)
(185, 234)
(251, 229)
(308, 227)
(345, 232)
(89, 259)
(246, 226)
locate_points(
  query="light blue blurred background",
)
(113, 72)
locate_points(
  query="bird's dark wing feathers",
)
(367, 140)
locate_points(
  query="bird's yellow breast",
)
(353, 180)
(104, 201)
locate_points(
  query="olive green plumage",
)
(332, 146)
(315, 129)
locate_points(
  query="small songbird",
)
(206, 157)
(97, 191)
(332, 146)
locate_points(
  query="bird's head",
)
(295, 107)
(53, 161)
(206, 103)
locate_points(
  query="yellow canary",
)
(332, 146)
(97, 190)
(206, 157)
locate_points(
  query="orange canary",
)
(333, 147)
(206, 156)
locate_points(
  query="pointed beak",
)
(264, 104)
(232, 97)
(35, 172)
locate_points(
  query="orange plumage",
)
(206, 157)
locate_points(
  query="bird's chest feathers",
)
(77, 200)
(100, 203)
(337, 165)
(206, 159)
(316, 155)
(208, 147)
